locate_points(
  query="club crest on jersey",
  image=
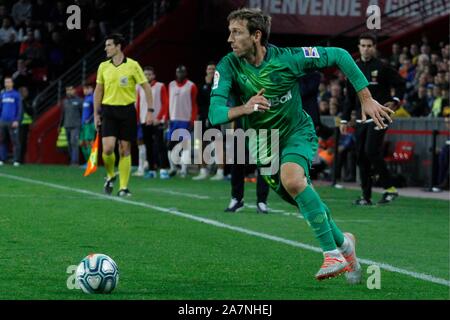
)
(216, 80)
(123, 81)
(311, 52)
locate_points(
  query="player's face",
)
(181, 74)
(150, 75)
(210, 69)
(9, 84)
(366, 49)
(240, 39)
(110, 48)
(87, 90)
(70, 91)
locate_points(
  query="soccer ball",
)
(97, 273)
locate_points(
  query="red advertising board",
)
(330, 17)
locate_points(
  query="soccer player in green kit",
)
(265, 79)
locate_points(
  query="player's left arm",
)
(219, 112)
(164, 112)
(321, 57)
(149, 98)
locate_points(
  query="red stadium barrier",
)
(41, 147)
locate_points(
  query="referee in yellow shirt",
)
(114, 109)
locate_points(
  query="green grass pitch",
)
(51, 217)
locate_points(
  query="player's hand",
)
(149, 118)
(15, 124)
(391, 105)
(257, 103)
(376, 111)
(343, 127)
(97, 121)
(156, 122)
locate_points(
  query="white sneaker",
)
(218, 176)
(202, 175)
(261, 207)
(16, 164)
(354, 273)
(138, 173)
(183, 174)
(333, 265)
(235, 205)
(151, 174)
(164, 174)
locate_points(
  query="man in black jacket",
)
(369, 138)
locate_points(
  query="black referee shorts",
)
(119, 122)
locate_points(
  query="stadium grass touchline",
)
(176, 193)
(283, 212)
(385, 266)
(299, 216)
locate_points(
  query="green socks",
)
(317, 215)
(337, 233)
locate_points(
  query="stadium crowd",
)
(35, 44)
(426, 70)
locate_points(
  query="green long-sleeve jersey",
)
(278, 75)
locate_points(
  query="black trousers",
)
(369, 150)
(238, 181)
(155, 146)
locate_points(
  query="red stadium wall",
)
(42, 138)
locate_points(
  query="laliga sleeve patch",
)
(216, 80)
(311, 52)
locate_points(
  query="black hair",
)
(117, 39)
(368, 36)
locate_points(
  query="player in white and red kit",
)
(150, 137)
(182, 113)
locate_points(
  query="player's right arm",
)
(98, 97)
(219, 112)
(349, 106)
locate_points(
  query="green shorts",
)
(300, 148)
(87, 132)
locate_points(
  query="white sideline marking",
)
(385, 266)
(299, 216)
(283, 212)
(176, 193)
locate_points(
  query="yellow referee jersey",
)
(120, 81)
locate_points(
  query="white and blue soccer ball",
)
(97, 273)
